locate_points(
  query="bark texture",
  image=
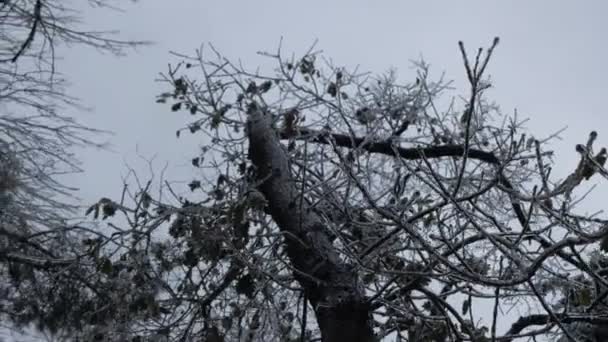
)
(331, 286)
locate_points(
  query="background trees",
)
(33, 94)
(38, 248)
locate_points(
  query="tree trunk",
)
(332, 287)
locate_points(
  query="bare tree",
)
(358, 198)
(33, 95)
(36, 147)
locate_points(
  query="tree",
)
(339, 206)
(36, 149)
(357, 195)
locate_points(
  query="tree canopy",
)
(329, 205)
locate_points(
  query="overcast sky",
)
(550, 64)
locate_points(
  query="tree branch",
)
(388, 148)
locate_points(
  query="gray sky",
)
(550, 65)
